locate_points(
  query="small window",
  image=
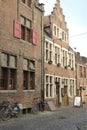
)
(29, 3)
(28, 35)
(23, 1)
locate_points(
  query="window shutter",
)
(17, 29)
(34, 37)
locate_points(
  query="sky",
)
(75, 12)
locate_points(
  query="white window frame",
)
(64, 56)
(49, 84)
(58, 54)
(50, 51)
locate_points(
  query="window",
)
(80, 71)
(49, 86)
(22, 32)
(25, 29)
(48, 51)
(57, 55)
(28, 74)
(8, 72)
(71, 60)
(27, 2)
(59, 33)
(71, 87)
(84, 71)
(62, 35)
(27, 34)
(64, 58)
(55, 30)
(23, 1)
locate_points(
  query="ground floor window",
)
(7, 78)
(28, 74)
(71, 87)
(49, 86)
(8, 71)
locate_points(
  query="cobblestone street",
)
(62, 119)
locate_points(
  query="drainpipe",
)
(42, 59)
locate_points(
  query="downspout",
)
(17, 9)
(42, 57)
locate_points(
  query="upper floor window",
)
(71, 60)
(63, 35)
(84, 69)
(55, 30)
(80, 71)
(60, 33)
(48, 51)
(23, 30)
(64, 58)
(27, 2)
(26, 29)
(57, 55)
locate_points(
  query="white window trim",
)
(52, 86)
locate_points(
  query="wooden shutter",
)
(17, 29)
(34, 37)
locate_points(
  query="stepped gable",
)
(56, 17)
(58, 14)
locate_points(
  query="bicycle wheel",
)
(5, 114)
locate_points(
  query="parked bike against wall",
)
(8, 110)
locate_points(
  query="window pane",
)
(25, 64)
(23, 1)
(47, 90)
(22, 20)
(12, 61)
(22, 32)
(4, 59)
(12, 78)
(32, 65)
(28, 23)
(3, 78)
(28, 35)
(25, 80)
(32, 80)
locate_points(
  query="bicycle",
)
(8, 110)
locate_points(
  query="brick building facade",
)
(60, 82)
(81, 76)
(30, 69)
(20, 50)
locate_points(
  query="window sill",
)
(6, 91)
(29, 90)
(25, 42)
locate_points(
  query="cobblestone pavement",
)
(62, 119)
